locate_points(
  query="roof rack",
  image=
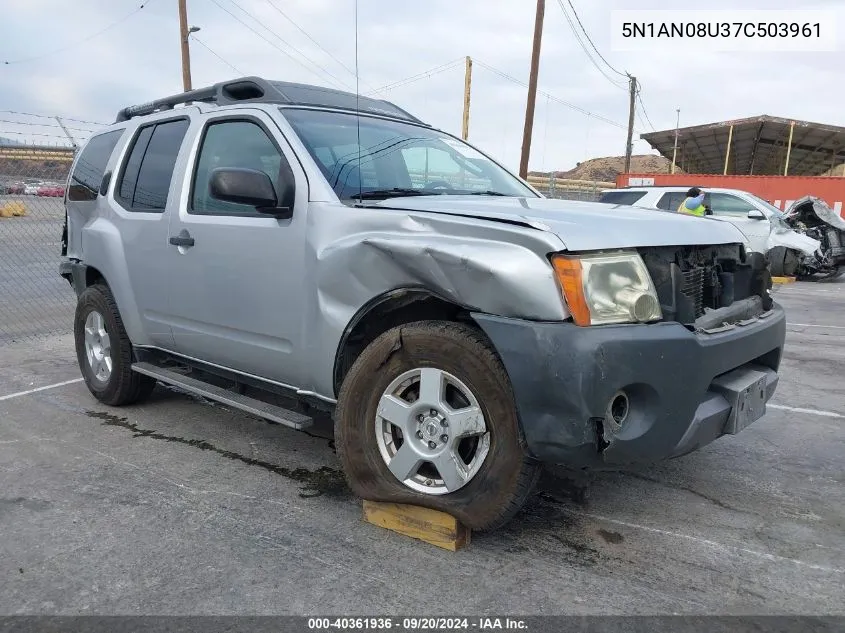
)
(258, 90)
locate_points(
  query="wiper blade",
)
(488, 192)
(396, 192)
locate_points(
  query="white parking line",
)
(832, 327)
(707, 542)
(29, 391)
(826, 414)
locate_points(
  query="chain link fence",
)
(34, 300)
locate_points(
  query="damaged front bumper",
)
(682, 389)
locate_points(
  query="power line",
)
(552, 97)
(82, 41)
(642, 105)
(336, 81)
(213, 52)
(575, 13)
(423, 75)
(306, 34)
(586, 50)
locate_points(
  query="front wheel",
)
(426, 416)
(104, 351)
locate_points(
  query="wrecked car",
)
(789, 252)
(813, 217)
(294, 251)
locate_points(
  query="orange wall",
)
(781, 191)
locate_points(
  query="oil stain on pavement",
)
(322, 481)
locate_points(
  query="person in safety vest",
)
(694, 203)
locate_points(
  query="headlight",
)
(607, 288)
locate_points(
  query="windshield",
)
(397, 159)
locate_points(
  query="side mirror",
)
(248, 186)
(756, 214)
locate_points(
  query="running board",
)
(224, 396)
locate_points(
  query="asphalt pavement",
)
(178, 506)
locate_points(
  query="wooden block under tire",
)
(431, 526)
(783, 280)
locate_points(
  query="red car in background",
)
(51, 191)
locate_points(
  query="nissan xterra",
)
(289, 249)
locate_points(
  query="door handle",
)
(183, 239)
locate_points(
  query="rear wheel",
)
(104, 351)
(426, 416)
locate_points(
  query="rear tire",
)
(493, 489)
(104, 351)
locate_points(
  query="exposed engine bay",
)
(709, 287)
(813, 217)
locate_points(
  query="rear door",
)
(143, 198)
(236, 293)
(671, 200)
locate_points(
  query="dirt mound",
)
(606, 169)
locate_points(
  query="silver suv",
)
(289, 249)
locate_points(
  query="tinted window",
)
(133, 164)
(726, 204)
(672, 200)
(621, 197)
(149, 169)
(91, 166)
(232, 144)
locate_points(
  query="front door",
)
(236, 275)
(735, 210)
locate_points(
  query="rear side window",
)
(671, 201)
(90, 168)
(621, 197)
(148, 170)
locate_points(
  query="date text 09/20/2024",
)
(415, 624)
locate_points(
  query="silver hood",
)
(581, 226)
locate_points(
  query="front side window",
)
(146, 178)
(726, 204)
(395, 158)
(232, 144)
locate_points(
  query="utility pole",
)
(186, 51)
(467, 89)
(532, 90)
(629, 147)
(675, 149)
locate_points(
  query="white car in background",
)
(761, 222)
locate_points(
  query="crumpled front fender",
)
(793, 240)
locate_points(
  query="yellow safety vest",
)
(699, 211)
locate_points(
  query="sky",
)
(55, 59)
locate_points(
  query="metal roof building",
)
(763, 145)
